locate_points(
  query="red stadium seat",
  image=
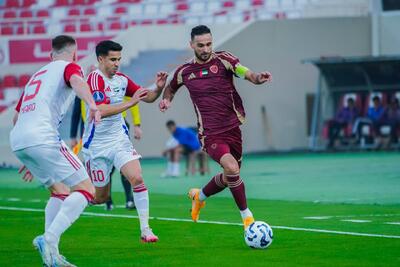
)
(20, 30)
(79, 2)
(147, 22)
(12, 3)
(74, 12)
(62, 3)
(26, 14)
(23, 80)
(100, 26)
(257, 2)
(70, 28)
(39, 29)
(89, 11)
(115, 25)
(162, 21)
(43, 13)
(182, 7)
(10, 14)
(1, 94)
(129, 1)
(3, 108)
(229, 4)
(9, 81)
(85, 27)
(120, 10)
(7, 30)
(28, 3)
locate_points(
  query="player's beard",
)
(203, 57)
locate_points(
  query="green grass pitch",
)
(354, 198)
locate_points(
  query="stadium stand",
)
(37, 17)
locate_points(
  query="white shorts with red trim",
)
(51, 163)
(99, 161)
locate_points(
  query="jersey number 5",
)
(34, 82)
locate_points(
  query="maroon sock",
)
(214, 186)
(236, 186)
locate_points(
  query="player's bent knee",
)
(136, 179)
(231, 168)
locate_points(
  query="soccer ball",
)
(258, 235)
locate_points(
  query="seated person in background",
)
(392, 117)
(376, 114)
(185, 141)
(344, 118)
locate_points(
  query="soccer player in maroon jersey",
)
(218, 106)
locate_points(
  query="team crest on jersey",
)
(192, 76)
(214, 69)
(98, 96)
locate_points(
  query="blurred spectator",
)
(344, 120)
(376, 114)
(183, 141)
(392, 118)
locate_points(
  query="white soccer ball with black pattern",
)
(258, 235)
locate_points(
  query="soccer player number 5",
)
(34, 82)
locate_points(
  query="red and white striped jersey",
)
(107, 91)
(43, 104)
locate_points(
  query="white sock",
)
(175, 169)
(51, 210)
(246, 213)
(202, 197)
(71, 209)
(141, 197)
(169, 168)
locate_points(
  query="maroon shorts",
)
(220, 144)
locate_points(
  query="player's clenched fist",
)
(164, 105)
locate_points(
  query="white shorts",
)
(100, 161)
(53, 163)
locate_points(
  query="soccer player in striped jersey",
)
(36, 142)
(108, 144)
(218, 106)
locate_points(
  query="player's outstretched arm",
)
(168, 95)
(258, 78)
(82, 89)
(161, 79)
(107, 110)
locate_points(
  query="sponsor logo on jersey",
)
(98, 96)
(214, 69)
(192, 76)
(107, 89)
(116, 89)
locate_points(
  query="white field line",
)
(324, 217)
(214, 222)
(393, 223)
(356, 221)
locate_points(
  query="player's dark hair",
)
(61, 41)
(170, 123)
(199, 30)
(376, 98)
(106, 46)
(350, 99)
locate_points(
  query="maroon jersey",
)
(217, 104)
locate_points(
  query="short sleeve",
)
(18, 106)
(177, 79)
(131, 86)
(96, 84)
(229, 60)
(71, 69)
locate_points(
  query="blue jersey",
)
(187, 137)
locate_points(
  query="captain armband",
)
(241, 70)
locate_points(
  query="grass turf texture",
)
(282, 189)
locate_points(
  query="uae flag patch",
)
(203, 72)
